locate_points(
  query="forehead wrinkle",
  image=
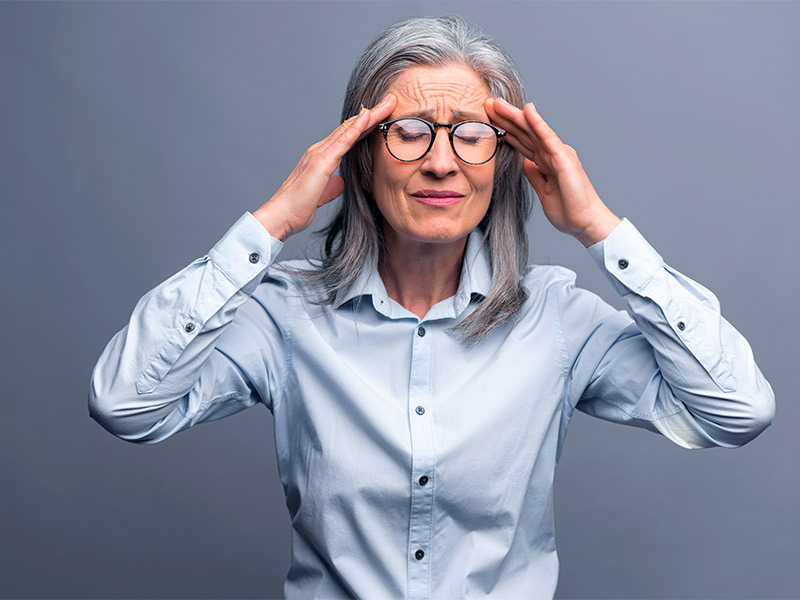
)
(429, 96)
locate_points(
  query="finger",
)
(518, 138)
(383, 109)
(538, 157)
(340, 134)
(519, 145)
(333, 135)
(379, 113)
(498, 119)
(514, 120)
(336, 134)
(543, 131)
(361, 126)
(333, 189)
(535, 176)
(328, 152)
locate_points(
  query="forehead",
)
(438, 92)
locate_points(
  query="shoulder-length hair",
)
(354, 238)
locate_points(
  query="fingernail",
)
(386, 98)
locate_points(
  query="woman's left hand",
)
(568, 198)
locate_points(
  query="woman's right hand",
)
(313, 183)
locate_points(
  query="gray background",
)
(134, 134)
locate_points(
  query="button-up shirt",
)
(415, 466)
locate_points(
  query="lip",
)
(438, 197)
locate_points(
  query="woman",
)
(421, 376)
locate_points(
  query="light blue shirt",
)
(415, 467)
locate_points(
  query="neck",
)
(417, 275)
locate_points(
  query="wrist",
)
(273, 221)
(598, 229)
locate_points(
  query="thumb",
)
(333, 189)
(535, 176)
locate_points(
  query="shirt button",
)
(419, 554)
(681, 325)
(622, 263)
(421, 332)
(189, 327)
(423, 480)
(420, 410)
(254, 257)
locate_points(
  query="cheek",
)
(381, 173)
(382, 185)
(389, 178)
(484, 186)
(485, 183)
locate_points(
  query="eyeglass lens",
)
(473, 142)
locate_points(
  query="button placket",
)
(422, 463)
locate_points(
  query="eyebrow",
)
(458, 115)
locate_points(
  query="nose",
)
(440, 161)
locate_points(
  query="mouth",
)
(437, 197)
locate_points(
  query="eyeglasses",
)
(410, 138)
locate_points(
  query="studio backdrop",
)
(134, 134)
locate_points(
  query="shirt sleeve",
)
(197, 347)
(671, 364)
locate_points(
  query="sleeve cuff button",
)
(189, 327)
(254, 257)
(622, 263)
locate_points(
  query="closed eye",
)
(410, 136)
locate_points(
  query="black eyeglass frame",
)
(384, 128)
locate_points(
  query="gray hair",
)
(354, 238)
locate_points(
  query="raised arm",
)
(163, 372)
(673, 364)
(197, 347)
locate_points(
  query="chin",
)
(436, 232)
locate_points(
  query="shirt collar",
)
(476, 278)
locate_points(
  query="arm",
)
(672, 364)
(166, 370)
(195, 349)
